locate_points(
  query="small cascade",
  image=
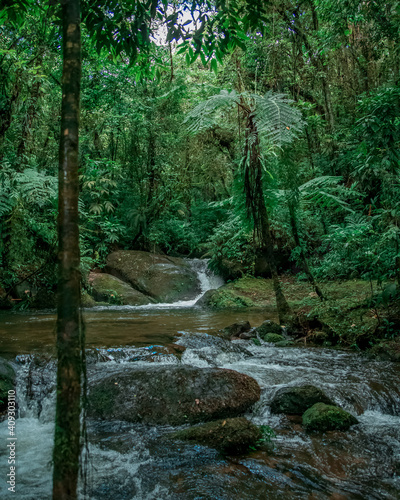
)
(207, 281)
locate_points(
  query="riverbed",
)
(128, 461)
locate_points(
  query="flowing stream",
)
(132, 461)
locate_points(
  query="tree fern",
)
(202, 117)
(276, 120)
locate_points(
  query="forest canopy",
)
(148, 182)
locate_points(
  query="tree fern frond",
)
(321, 182)
(202, 116)
(275, 118)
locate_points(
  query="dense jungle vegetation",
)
(312, 100)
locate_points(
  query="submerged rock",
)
(108, 288)
(296, 400)
(321, 417)
(7, 382)
(172, 395)
(233, 435)
(165, 279)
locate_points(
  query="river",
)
(130, 461)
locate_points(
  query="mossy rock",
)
(235, 329)
(253, 293)
(273, 338)
(269, 327)
(7, 382)
(321, 418)
(108, 288)
(386, 351)
(296, 400)
(87, 300)
(232, 436)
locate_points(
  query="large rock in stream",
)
(232, 435)
(296, 400)
(165, 279)
(172, 395)
(253, 293)
(108, 288)
(321, 418)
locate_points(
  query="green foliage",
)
(321, 89)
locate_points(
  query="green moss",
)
(227, 299)
(87, 300)
(322, 417)
(273, 338)
(284, 343)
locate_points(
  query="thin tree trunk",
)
(31, 112)
(69, 341)
(306, 267)
(258, 210)
(284, 312)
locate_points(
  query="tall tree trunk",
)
(31, 112)
(6, 114)
(257, 208)
(69, 341)
(284, 312)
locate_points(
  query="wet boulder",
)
(322, 417)
(233, 435)
(165, 279)
(87, 300)
(172, 395)
(108, 288)
(209, 350)
(284, 343)
(206, 299)
(236, 329)
(7, 382)
(296, 400)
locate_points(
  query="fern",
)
(35, 187)
(276, 119)
(201, 117)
